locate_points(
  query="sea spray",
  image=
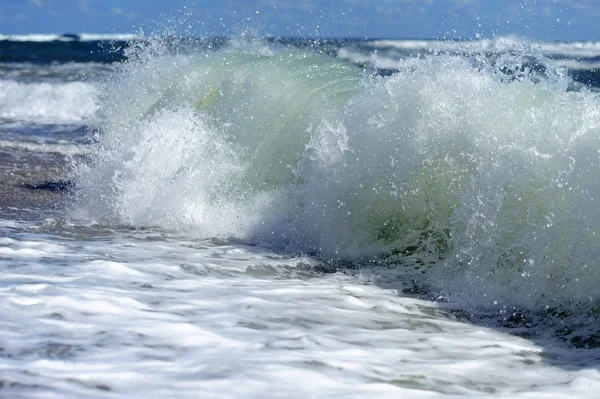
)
(481, 169)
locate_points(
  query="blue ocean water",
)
(233, 218)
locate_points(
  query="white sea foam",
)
(574, 49)
(389, 54)
(44, 148)
(109, 36)
(144, 314)
(48, 102)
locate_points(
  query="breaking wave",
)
(72, 102)
(482, 173)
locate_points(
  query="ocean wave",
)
(390, 59)
(482, 175)
(575, 49)
(45, 148)
(29, 72)
(33, 37)
(48, 102)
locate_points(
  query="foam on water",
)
(579, 57)
(66, 149)
(502, 43)
(93, 313)
(48, 102)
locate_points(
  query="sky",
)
(437, 19)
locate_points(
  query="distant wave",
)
(42, 147)
(48, 102)
(386, 54)
(33, 37)
(563, 49)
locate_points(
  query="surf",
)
(477, 173)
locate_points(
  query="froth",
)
(48, 102)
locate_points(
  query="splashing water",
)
(479, 171)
